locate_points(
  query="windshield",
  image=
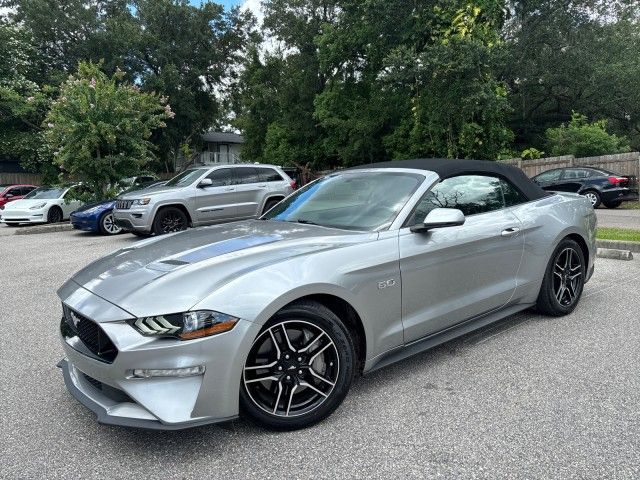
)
(366, 201)
(186, 178)
(45, 193)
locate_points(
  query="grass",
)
(625, 234)
(630, 206)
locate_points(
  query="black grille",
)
(124, 204)
(91, 335)
(113, 393)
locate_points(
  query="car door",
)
(68, 203)
(548, 180)
(251, 190)
(217, 202)
(571, 180)
(453, 274)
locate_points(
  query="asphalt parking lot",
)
(619, 218)
(530, 397)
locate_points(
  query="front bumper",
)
(159, 402)
(88, 224)
(134, 219)
(23, 216)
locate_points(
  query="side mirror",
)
(440, 218)
(8, 195)
(205, 182)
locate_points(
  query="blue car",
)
(96, 217)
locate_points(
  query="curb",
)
(619, 244)
(63, 227)
(614, 254)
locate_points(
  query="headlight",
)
(185, 326)
(38, 206)
(142, 201)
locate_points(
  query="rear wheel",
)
(269, 205)
(593, 197)
(54, 215)
(563, 280)
(108, 225)
(614, 204)
(299, 368)
(169, 220)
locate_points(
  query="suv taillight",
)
(618, 180)
(294, 184)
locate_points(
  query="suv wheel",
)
(169, 220)
(299, 368)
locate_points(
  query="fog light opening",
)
(166, 372)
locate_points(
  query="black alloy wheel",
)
(299, 368)
(54, 215)
(169, 220)
(563, 281)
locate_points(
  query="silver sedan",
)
(274, 317)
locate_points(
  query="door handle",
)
(510, 232)
(262, 185)
(230, 189)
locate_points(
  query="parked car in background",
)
(202, 196)
(274, 317)
(138, 181)
(98, 217)
(11, 192)
(598, 185)
(42, 205)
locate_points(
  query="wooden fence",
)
(622, 163)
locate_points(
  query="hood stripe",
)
(226, 246)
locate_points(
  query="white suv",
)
(202, 196)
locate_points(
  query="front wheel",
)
(54, 215)
(563, 280)
(299, 368)
(169, 220)
(108, 225)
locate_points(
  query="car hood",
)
(23, 204)
(172, 273)
(104, 204)
(145, 192)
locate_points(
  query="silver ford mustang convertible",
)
(274, 317)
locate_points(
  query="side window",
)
(221, 177)
(575, 173)
(247, 175)
(15, 192)
(550, 176)
(269, 175)
(472, 194)
(512, 196)
(26, 190)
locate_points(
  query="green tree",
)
(99, 128)
(583, 139)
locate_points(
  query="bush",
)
(583, 139)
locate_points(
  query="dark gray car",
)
(203, 196)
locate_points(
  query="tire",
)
(566, 270)
(593, 197)
(107, 225)
(169, 220)
(269, 205)
(614, 204)
(310, 370)
(54, 215)
(139, 234)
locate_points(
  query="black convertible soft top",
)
(446, 168)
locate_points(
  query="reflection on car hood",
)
(105, 204)
(23, 204)
(172, 273)
(145, 192)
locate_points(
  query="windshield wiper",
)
(307, 222)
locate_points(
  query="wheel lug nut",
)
(299, 372)
(280, 367)
(287, 357)
(299, 359)
(288, 377)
